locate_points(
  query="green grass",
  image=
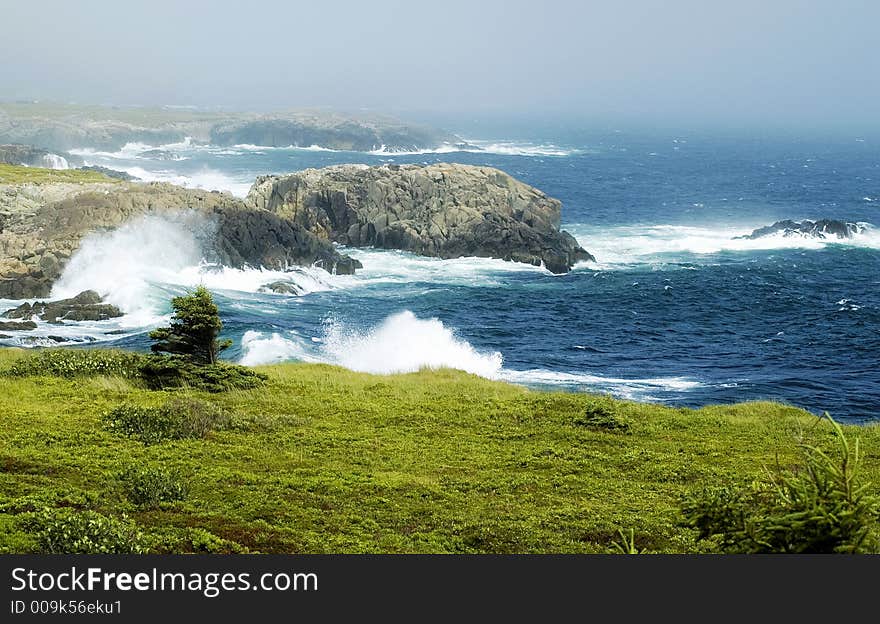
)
(322, 459)
(16, 174)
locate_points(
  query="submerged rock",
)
(86, 306)
(444, 210)
(282, 288)
(17, 325)
(816, 229)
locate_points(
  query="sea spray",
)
(134, 265)
(402, 343)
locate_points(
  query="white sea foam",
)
(126, 265)
(637, 244)
(404, 343)
(54, 161)
(634, 389)
(477, 146)
(259, 349)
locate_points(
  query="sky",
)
(744, 61)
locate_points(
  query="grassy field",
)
(17, 174)
(324, 460)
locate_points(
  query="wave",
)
(402, 267)
(131, 266)
(205, 179)
(632, 389)
(636, 244)
(404, 343)
(476, 146)
(54, 161)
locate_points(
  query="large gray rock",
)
(17, 154)
(42, 225)
(443, 210)
(86, 306)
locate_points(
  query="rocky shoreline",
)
(442, 210)
(66, 127)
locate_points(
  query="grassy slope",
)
(15, 174)
(326, 460)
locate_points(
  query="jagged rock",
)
(282, 288)
(18, 154)
(816, 229)
(17, 325)
(44, 224)
(110, 173)
(86, 306)
(444, 210)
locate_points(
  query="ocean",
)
(674, 310)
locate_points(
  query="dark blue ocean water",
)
(674, 311)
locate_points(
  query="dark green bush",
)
(161, 371)
(601, 417)
(149, 487)
(71, 363)
(195, 418)
(66, 531)
(819, 507)
(157, 372)
(147, 424)
(177, 419)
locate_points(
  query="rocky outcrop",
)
(815, 229)
(86, 306)
(110, 173)
(17, 154)
(41, 226)
(332, 132)
(443, 210)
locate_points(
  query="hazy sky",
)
(743, 60)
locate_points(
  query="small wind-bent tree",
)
(194, 329)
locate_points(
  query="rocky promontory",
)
(444, 210)
(42, 225)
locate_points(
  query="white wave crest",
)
(127, 265)
(628, 245)
(403, 343)
(54, 161)
(632, 389)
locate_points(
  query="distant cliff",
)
(62, 128)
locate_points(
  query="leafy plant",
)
(160, 372)
(147, 424)
(194, 329)
(66, 531)
(627, 544)
(819, 507)
(71, 363)
(600, 417)
(177, 419)
(149, 487)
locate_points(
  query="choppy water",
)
(674, 310)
